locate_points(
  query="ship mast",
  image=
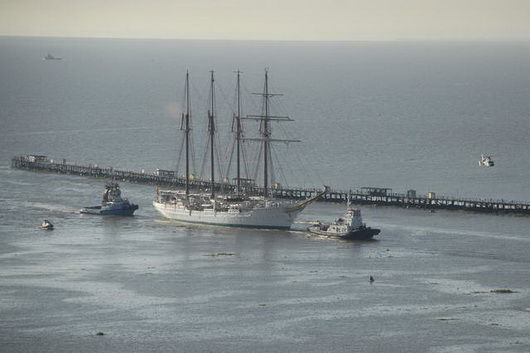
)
(186, 123)
(265, 131)
(238, 133)
(211, 130)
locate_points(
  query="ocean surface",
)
(402, 115)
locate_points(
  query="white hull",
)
(270, 217)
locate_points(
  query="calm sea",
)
(409, 115)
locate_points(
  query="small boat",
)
(112, 203)
(486, 161)
(51, 57)
(350, 227)
(46, 225)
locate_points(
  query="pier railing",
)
(363, 196)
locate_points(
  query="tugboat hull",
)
(111, 211)
(361, 234)
(358, 234)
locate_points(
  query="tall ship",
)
(235, 209)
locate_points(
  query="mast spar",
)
(186, 122)
(265, 131)
(265, 134)
(238, 133)
(211, 130)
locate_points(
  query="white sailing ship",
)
(237, 209)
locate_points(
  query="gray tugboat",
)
(350, 227)
(112, 203)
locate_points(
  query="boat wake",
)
(49, 207)
(424, 231)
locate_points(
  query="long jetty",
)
(364, 195)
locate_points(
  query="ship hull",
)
(359, 234)
(111, 211)
(265, 218)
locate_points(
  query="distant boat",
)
(350, 227)
(486, 161)
(51, 57)
(112, 203)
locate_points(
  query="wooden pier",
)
(362, 196)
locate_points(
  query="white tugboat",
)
(237, 210)
(486, 161)
(350, 227)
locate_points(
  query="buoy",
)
(371, 279)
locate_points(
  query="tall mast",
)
(211, 130)
(238, 133)
(265, 133)
(186, 118)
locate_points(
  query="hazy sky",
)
(269, 19)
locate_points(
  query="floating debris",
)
(371, 279)
(100, 334)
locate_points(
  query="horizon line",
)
(462, 40)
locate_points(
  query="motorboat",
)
(486, 161)
(46, 225)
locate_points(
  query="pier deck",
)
(363, 196)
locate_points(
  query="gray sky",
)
(269, 19)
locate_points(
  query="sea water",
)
(402, 115)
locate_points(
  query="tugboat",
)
(350, 227)
(46, 225)
(486, 161)
(112, 203)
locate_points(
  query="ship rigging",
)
(229, 209)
